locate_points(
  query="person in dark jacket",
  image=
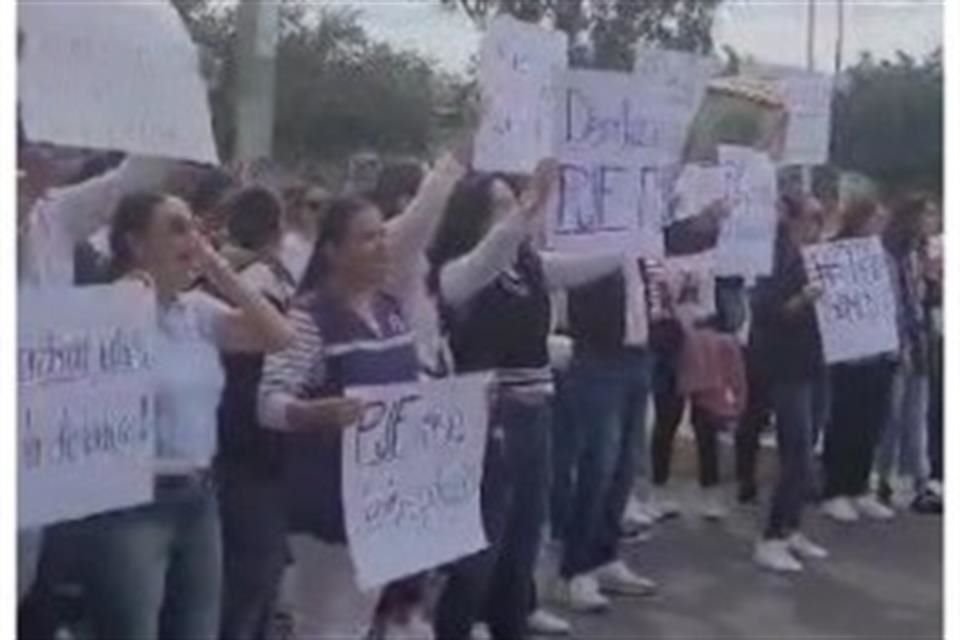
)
(787, 338)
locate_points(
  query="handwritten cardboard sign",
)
(114, 75)
(616, 145)
(857, 312)
(679, 79)
(517, 63)
(412, 469)
(85, 395)
(746, 241)
(808, 96)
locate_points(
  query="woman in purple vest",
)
(352, 328)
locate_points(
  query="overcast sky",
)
(771, 30)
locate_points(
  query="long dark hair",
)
(396, 180)
(905, 230)
(132, 217)
(467, 217)
(332, 232)
(254, 217)
(856, 214)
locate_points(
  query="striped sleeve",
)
(287, 374)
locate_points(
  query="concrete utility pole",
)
(256, 51)
(806, 172)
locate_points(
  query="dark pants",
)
(564, 459)
(254, 549)
(496, 584)
(935, 410)
(669, 406)
(798, 407)
(607, 398)
(756, 417)
(859, 412)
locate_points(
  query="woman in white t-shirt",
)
(158, 567)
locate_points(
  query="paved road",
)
(884, 580)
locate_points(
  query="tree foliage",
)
(337, 91)
(603, 33)
(888, 121)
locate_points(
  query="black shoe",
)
(747, 494)
(927, 503)
(885, 494)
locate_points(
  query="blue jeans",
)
(905, 434)
(158, 569)
(605, 433)
(800, 408)
(496, 585)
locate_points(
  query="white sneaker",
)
(617, 578)
(662, 505)
(543, 623)
(803, 547)
(840, 509)
(775, 555)
(636, 516)
(415, 628)
(480, 631)
(936, 487)
(581, 594)
(712, 506)
(869, 506)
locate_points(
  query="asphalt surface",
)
(883, 580)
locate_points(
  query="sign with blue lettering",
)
(857, 311)
(412, 468)
(615, 141)
(85, 401)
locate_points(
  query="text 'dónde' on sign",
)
(119, 76)
(412, 470)
(85, 394)
(517, 63)
(613, 142)
(857, 312)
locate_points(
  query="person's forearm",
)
(90, 205)
(567, 270)
(463, 278)
(259, 316)
(410, 234)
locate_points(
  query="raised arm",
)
(462, 278)
(84, 208)
(410, 233)
(570, 270)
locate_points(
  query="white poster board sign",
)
(697, 187)
(114, 75)
(692, 284)
(857, 312)
(616, 145)
(517, 63)
(677, 78)
(85, 392)
(412, 469)
(746, 242)
(808, 96)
